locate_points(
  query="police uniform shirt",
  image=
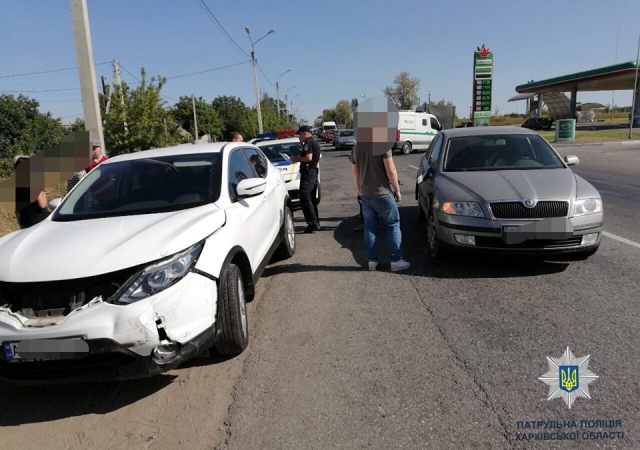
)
(311, 146)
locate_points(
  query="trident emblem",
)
(568, 378)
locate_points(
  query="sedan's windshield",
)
(144, 186)
(500, 152)
(346, 133)
(280, 152)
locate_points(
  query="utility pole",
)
(254, 63)
(115, 79)
(636, 93)
(86, 71)
(113, 76)
(195, 117)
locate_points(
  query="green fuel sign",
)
(482, 80)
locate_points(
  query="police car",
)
(279, 147)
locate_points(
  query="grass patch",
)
(8, 222)
(595, 136)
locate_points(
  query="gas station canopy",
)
(616, 77)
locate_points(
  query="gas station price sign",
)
(482, 81)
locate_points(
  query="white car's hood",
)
(64, 250)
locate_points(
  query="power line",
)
(264, 74)
(207, 70)
(13, 75)
(134, 77)
(222, 28)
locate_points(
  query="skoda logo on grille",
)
(529, 203)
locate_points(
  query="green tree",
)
(329, 115)
(140, 122)
(209, 121)
(443, 102)
(404, 92)
(77, 125)
(233, 112)
(344, 113)
(23, 129)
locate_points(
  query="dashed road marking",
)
(414, 167)
(621, 239)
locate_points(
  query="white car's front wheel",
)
(231, 319)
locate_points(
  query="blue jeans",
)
(382, 210)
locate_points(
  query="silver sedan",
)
(505, 189)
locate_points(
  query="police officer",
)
(308, 177)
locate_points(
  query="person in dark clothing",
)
(28, 212)
(35, 212)
(308, 177)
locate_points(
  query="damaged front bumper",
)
(120, 342)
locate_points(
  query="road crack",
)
(484, 398)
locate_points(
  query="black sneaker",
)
(311, 229)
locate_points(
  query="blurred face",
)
(237, 138)
(376, 121)
(96, 152)
(304, 135)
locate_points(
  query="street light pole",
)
(255, 74)
(278, 90)
(635, 92)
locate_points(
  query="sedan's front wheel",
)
(437, 249)
(231, 321)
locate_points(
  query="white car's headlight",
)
(161, 275)
(587, 206)
(471, 209)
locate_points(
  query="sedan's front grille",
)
(516, 210)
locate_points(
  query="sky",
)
(335, 49)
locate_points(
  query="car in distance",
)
(505, 189)
(148, 261)
(345, 139)
(279, 152)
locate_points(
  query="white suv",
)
(147, 262)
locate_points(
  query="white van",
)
(328, 130)
(415, 131)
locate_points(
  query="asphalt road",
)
(445, 355)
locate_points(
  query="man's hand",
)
(398, 196)
(41, 200)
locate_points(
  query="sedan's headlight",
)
(471, 209)
(161, 275)
(587, 206)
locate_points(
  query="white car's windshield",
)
(144, 186)
(500, 152)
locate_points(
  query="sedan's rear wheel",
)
(231, 321)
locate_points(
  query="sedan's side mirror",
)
(54, 202)
(572, 160)
(250, 187)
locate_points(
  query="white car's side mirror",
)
(572, 160)
(251, 187)
(54, 202)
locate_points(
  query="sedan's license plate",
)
(45, 350)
